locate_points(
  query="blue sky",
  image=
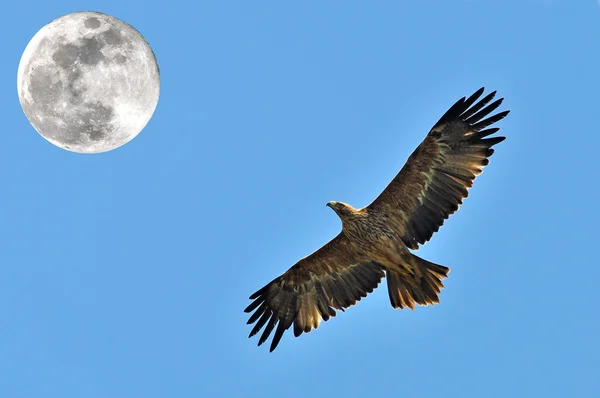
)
(125, 274)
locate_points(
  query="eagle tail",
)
(417, 281)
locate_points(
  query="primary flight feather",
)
(374, 242)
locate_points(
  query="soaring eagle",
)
(374, 242)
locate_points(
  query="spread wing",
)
(335, 276)
(434, 181)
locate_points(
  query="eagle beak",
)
(330, 204)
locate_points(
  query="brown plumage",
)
(374, 242)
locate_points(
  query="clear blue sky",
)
(125, 274)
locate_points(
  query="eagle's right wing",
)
(335, 276)
(436, 176)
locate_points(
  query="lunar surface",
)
(88, 82)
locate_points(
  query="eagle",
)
(376, 241)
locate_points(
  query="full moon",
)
(88, 82)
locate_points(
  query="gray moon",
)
(88, 82)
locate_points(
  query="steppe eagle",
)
(374, 242)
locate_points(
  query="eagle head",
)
(341, 209)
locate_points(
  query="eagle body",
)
(376, 241)
(371, 234)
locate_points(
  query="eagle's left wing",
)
(335, 276)
(436, 176)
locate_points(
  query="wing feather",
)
(437, 175)
(334, 277)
